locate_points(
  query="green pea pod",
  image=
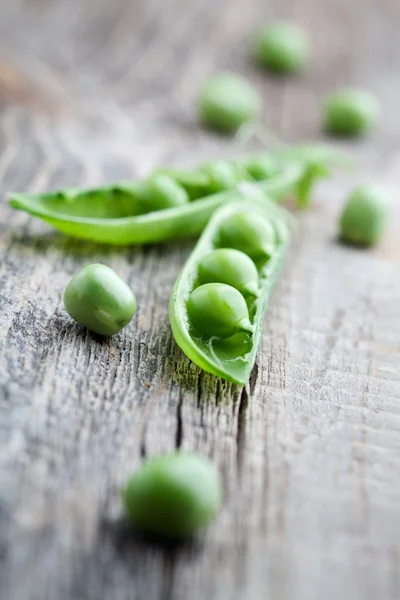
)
(110, 215)
(216, 326)
(172, 204)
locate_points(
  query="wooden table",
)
(310, 451)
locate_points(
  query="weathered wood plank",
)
(310, 450)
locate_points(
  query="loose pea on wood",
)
(350, 113)
(281, 47)
(173, 495)
(227, 101)
(364, 216)
(99, 299)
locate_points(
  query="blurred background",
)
(97, 90)
(128, 69)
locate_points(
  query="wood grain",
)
(310, 450)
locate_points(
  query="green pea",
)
(252, 234)
(350, 113)
(222, 175)
(174, 495)
(228, 101)
(281, 47)
(364, 216)
(159, 192)
(195, 182)
(218, 310)
(99, 299)
(260, 167)
(232, 267)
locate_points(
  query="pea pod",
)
(83, 215)
(172, 204)
(216, 326)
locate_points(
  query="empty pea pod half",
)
(218, 303)
(172, 204)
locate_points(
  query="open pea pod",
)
(110, 214)
(217, 306)
(172, 204)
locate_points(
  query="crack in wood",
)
(241, 430)
(179, 422)
(253, 378)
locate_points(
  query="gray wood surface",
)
(310, 451)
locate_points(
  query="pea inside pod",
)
(160, 192)
(195, 183)
(221, 175)
(261, 166)
(252, 234)
(226, 265)
(217, 309)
